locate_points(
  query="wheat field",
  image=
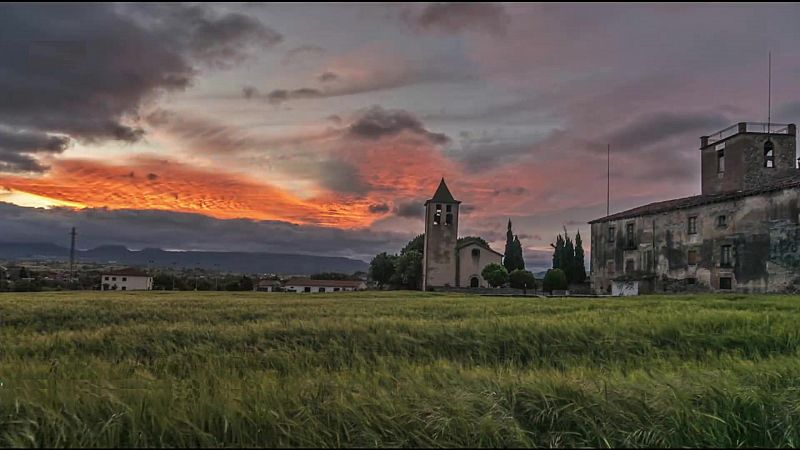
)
(397, 369)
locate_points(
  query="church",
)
(446, 262)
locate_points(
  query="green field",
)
(397, 369)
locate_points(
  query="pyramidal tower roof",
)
(442, 194)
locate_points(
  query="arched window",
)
(769, 154)
(437, 217)
(474, 282)
(448, 219)
(476, 253)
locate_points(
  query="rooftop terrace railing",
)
(749, 127)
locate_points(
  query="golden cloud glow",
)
(146, 183)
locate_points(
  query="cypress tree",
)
(519, 258)
(580, 267)
(568, 259)
(557, 252)
(509, 254)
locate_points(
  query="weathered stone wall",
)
(744, 162)
(439, 261)
(762, 230)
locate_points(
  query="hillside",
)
(222, 261)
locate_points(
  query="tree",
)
(509, 254)
(580, 266)
(382, 268)
(409, 270)
(331, 276)
(512, 259)
(522, 279)
(558, 249)
(554, 279)
(495, 274)
(519, 259)
(568, 258)
(418, 244)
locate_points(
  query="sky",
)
(322, 129)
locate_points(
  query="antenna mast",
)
(769, 95)
(608, 181)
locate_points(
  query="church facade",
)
(446, 262)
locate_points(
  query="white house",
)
(126, 280)
(309, 285)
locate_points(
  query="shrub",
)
(522, 279)
(495, 274)
(555, 279)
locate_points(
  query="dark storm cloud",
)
(327, 76)
(140, 229)
(659, 126)
(379, 208)
(340, 176)
(410, 209)
(458, 17)
(376, 123)
(18, 147)
(84, 70)
(281, 95)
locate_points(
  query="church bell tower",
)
(441, 236)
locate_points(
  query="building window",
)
(612, 232)
(113, 278)
(124, 288)
(322, 289)
(106, 278)
(306, 289)
(476, 253)
(691, 257)
(449, 208)
(610, 267)
(726, 260)
(629, 235)
(691, 281)
(448, 219)
(692, 228)
(630, 266)
(722, 221)
(335, 289)
(720, 161)
(437, 217)
(769, 155)
(124, 278)
(726, 283)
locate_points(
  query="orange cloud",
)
(146, 183)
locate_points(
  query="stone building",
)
(446, 262)
(740, 234)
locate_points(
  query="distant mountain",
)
(221, 261)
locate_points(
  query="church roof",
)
(467, 242)
(442, 195)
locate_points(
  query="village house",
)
(445, 262)
(742, 233)
(130, 279)
(298, 284)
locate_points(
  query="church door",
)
(474, 282)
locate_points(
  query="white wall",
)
(318, 289)
(126, 283)
(469, 266)
(624, 288)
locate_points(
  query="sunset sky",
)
(321, 129)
